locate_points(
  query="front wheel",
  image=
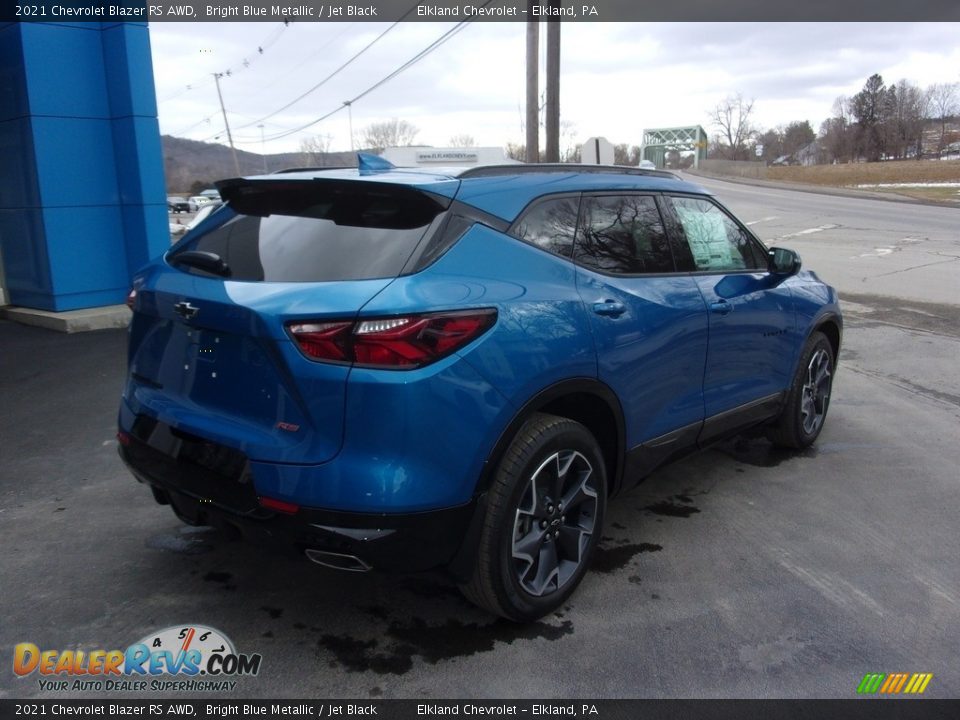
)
(808, 399)
(545, 512)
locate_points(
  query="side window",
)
(623, 234)
(550, 224)
(716, 242)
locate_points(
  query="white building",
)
(446, 157)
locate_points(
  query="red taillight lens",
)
(323, 341)
(394, 343)
(279, 505)
(132, 298)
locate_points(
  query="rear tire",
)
(808, 399)
(544, 516)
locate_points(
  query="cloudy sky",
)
(616, 78)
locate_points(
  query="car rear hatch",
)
(210, 351)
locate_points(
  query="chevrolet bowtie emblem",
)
(186, 310)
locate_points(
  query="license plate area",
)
(206, 470)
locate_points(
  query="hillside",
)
(190, 165)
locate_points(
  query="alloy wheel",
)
(815, 392)
(555, 520)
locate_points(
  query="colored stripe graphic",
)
(870, 683)
(894, 683)
(918, 683)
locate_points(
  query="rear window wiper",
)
(203, 260)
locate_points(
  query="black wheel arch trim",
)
(829, 318)
(543, 398)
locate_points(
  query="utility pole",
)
(533, 90)
(348, 103)
(263, 149)
(552, 124)
(236, 162)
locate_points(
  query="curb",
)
(71, 321)
(822, 190)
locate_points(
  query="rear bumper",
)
(201, 495)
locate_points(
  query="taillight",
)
(279, 505)
(323, 341)
(400, 343)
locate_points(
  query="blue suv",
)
(407, 369)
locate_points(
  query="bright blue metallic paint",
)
(257, 307)
(653, 355)
(749, 343)
(814, 303)
(237, 359)
(542, 333)
(414, 440)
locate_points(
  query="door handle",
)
(610, 308)
(722, 307)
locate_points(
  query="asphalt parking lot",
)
(744, 571)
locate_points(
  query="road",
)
(862, 247)
(741, 572)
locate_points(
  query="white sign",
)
(597, 151)
(447, 156)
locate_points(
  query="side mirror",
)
(784, 262)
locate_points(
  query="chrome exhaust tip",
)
(337, 561)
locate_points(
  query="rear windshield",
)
(314, 231)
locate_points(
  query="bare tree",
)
(835, 132)
(732, 117)
(624, 154)
(314, 149)
(388, 133)
(569, 147)
(904, 110)
(463, 140)
(944, 102)
(516, 151)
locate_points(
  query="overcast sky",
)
(616, 78)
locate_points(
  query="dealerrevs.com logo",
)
(201, 658)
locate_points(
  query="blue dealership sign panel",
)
(82, 200)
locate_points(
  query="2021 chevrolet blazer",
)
(408, 369)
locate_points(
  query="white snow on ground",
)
(912, 185)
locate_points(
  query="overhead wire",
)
(446, 36)
(264, 45)
(332, 74)
(409, 63)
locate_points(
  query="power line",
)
(342, 30)
(412, 61)
(419, 56)
(230, 71)
(331, 75)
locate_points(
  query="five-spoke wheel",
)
(555, 520)
(544, 515)
(808, 398)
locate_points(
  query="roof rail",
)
(530, 168)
